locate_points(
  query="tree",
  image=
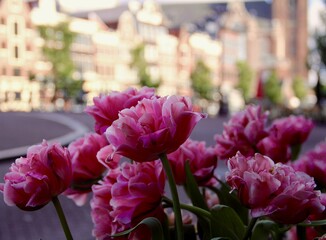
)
(57, 42)
(201, 80)
(139, 63)
(321, 40)
(320, 49)
(273, 88)
(245, 77)
(299, 88)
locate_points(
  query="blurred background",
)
(55, 56)
(58, 55)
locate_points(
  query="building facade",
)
(18, 57)
(102, 50)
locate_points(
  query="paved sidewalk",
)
(20, 130)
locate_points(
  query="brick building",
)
(102, 48)
(18, 58)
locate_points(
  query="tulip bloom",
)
(314, 164)
(273, 190)
(252, 179)
(34, 180)
(153, 127)
(202, 162)
(104, 226)
(242, 133)
(106, 107)
(296, 193)
(293, 130)
(87, 170)
(121, 201)
(271, 147)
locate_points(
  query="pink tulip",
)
(153, 127)
(314, 164)
(321, 215)
(242, 133)
(271, 147)
(311, 233)
(37, 178)
(295, 200)
(104, 226)
(120, 202)
(273, 190)
(252, 179)
(137, 193)
(87, 170)
(104, 157)
(202, 161)
(106, 107)
(293, 130)
(211, 198)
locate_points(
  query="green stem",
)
(196, 210)
(175, 196)
(62, 218)
(313, 223)
(249, 228)
(295, 151)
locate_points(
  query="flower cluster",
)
(266, 188)
(248, 133)
(142, 141)
(34, 180)
(126, 196)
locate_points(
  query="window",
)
(16, 52)
(4, 71)
(7, 95)
(16, 71)
(16, 28)
(17, 95)
(2, 21)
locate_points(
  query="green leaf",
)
(228, 198)
(192, 189)
(295, 151)
(226, 223)
(152, 223)
(263, 230)
(220, 238)
(197, 200)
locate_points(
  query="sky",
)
(315, 6)
(83, 5)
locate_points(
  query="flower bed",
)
(141, 143)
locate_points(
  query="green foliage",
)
(201, 80)
(299, 88)
(139, 62)
(226, 223)
(321, 46)
(57, 42)
(273, 88)
(265, 230)
(229, 198)
(152, 223)
(245, 76)
(321, 40)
